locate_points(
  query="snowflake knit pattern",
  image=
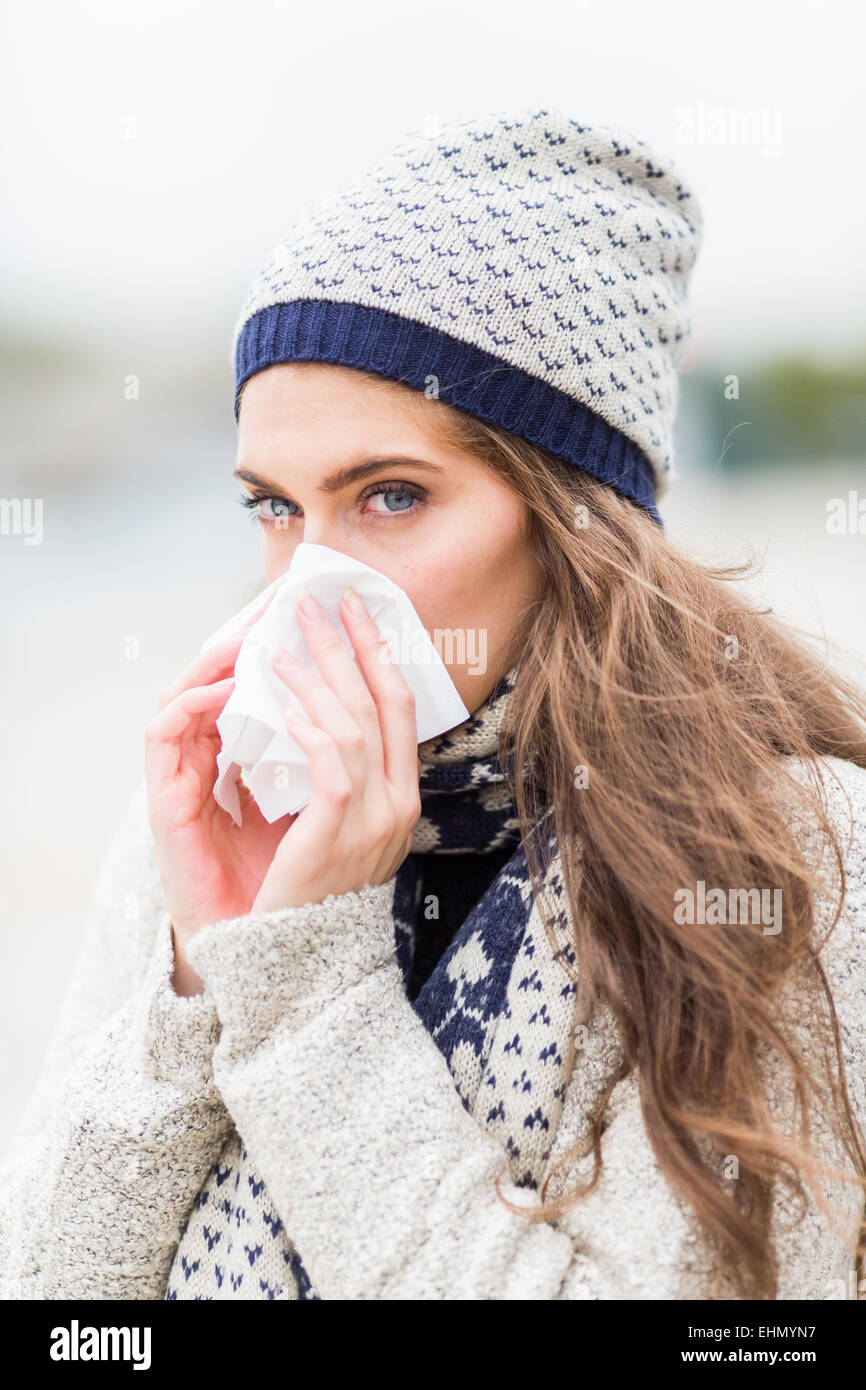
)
(527, 268)
(498, 1006)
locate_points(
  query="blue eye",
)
(267, 509)
(404, 500)
(398, 499)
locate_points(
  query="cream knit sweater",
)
(305, 1055)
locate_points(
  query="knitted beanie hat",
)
(522, 267)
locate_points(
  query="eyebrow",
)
(344, 476)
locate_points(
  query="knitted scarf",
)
(498, 1005)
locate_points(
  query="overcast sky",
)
(153, 152)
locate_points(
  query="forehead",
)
(318, 412)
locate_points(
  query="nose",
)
(321, 527)
(317, 532)
(314, 536)
(323, 530)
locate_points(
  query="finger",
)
(326, 711)
(340, 672)
(333, 790)
(178, 721)
(210, 666)
(393, 696)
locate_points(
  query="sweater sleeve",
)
(125, 1120)
(385, 1182)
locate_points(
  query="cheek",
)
(474, 570)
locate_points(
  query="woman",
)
(613, 1048)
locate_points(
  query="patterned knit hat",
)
(523, 267)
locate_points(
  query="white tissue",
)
(252, 725)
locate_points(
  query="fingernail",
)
(310, 606)
(353, 602)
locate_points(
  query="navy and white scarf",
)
(467, 809)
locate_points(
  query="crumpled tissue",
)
(252, 724)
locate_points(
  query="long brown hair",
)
(679, 699)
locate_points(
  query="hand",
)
(362, 743)
(211, 869)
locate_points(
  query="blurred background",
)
(151, 157)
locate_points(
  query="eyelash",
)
(251, 501)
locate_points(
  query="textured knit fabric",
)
(467, 813)
(303, 1131)
(524, 267)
